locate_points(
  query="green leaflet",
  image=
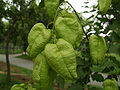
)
(37, 39)
(98, 49)
(43, 75)
(117, 56)
(104, 5)
(22, 86)
(116, 1)
(69, 28)
(61, 57)
(51, 7)
(110, 84)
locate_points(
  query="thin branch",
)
(53, 27)
(78, 19)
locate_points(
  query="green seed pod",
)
(43, 75)
(22, 86)
(69, 28)
(17, 87)
(51, 7)
(61, 57)
(110, 84)
(98, 49)
(104, 5)
(38, 37)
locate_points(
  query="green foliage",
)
(24, 56)
(93, 87)
(80, 87)
(97, 77)
(21, 15)
(115, 1)
(111, 66)
(41, 4)
(75, 87)
(116, 56)
(60, 81)
(110, 84)
(104, 5)
(15, 51)
(2, 10)
(3, 83)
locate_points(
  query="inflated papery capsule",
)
(43, 75)
(22, 86)
(51, 7)
(62, 58)
(98, 48)
(110, 84)
(68, 27)
(38, 37)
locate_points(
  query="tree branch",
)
(78, 19)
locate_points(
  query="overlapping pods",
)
(61, 57)
(54, 57)
(43, 75)
(69, 28)
(98, 48)
(38, 37)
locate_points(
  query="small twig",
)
(49, 24)
(53, 27)
(78, 19)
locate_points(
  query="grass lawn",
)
(18, 75)
(3, 82)
(15, 69)
(11, 51)
(24, 56)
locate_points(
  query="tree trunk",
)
(7, 39)
(85, 88)
(7, 60)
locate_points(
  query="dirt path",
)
(17, 61)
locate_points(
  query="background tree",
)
(21, 16)
(106, 25)
(2, 12)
